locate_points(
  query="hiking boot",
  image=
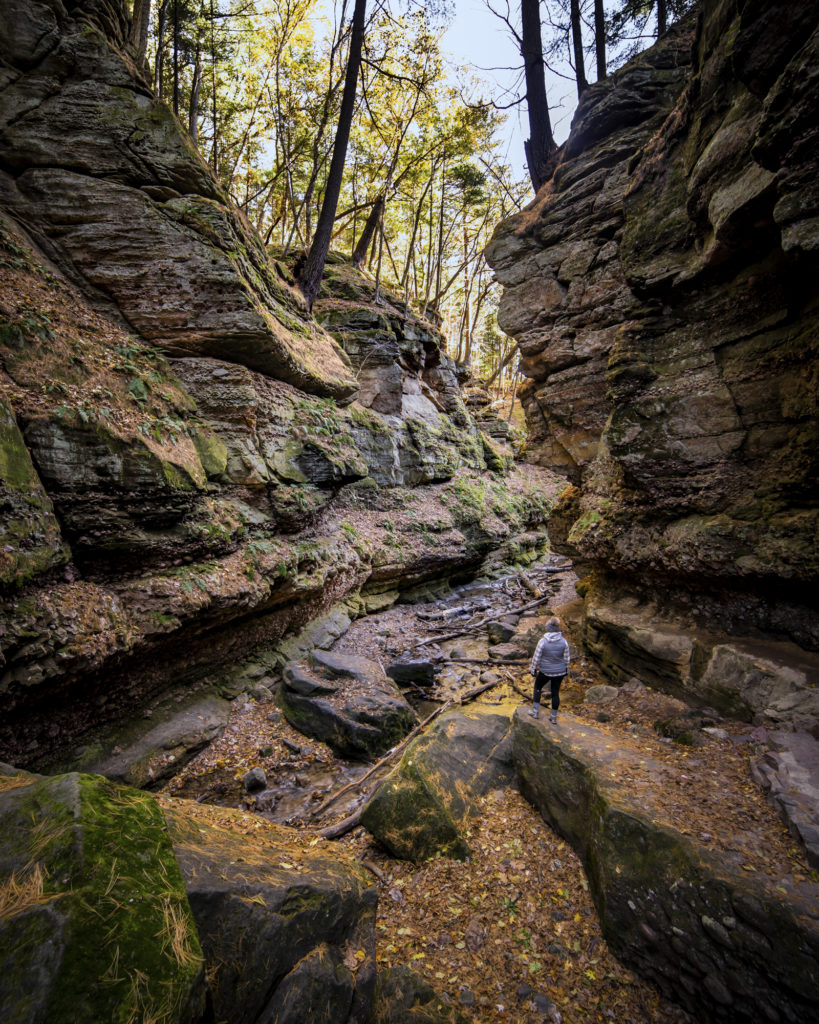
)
(535, 711)
(553, 718)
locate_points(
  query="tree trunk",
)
(139, 30)
(196, 89)
(541, 143)
(364, 243)
(577, 45)
(600, 39)
(662, 17)
(380, 254)
(159, 68)
(176, 57)
(214, 156)
(310, 277)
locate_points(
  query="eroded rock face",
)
(166, 517)
(725, 944)
(128, 206)
(661, 288)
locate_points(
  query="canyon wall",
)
(191, 466)
(662, 291)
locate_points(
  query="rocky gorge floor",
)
(510, 935)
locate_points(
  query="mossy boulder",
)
(288, 931)
(95, 923)
(30, 540)
(727, 944)
(362, 715)
(423, 807)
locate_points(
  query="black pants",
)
(554, 684)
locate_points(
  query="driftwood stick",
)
(487, 661)
(356, 783)
(344, 826)
(476, 625)
(374, 869)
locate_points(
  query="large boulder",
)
(288, 931)
(95, 924)
(727, 944)
(762, 681)
(424, 805)
(346, 701)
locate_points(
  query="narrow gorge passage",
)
(282, 524)
(512, 931)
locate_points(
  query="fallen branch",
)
(344, 826)
(534, 590)
(374, 869)
(476, 625)
(488, 661)
(356, 783)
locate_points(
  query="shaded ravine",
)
(512, 932)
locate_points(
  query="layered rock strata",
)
(125, 203)
(168, 510)
(661, 291)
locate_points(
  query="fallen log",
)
(477, 625)
(487, 661)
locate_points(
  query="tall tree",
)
(541, 144)
(139, 29)
(662, 17)
(311, 272)
(577, 47)
(600, 39)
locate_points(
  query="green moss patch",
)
(94, 909)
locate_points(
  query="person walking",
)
(550, 665)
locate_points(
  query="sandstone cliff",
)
(662, 291)
(187, 472)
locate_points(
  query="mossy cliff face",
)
(661, 288)
(170, 510)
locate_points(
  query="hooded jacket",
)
(551, 655)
